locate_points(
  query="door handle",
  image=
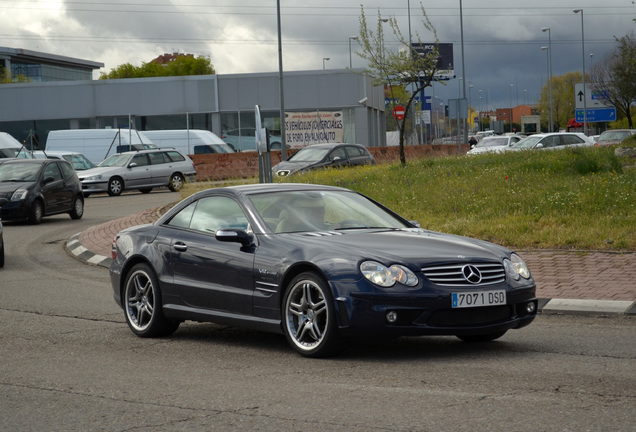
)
(180, 246)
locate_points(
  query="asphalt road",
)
(68, 362)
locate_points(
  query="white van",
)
(192, 141)
(97, 144)
(11, 148)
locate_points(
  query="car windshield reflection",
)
(309, 154)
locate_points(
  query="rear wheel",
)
(309, 321)
(176, 182)
(78, 208)
(115, 186)
(37, 212)
(482, 337)
(142, 304)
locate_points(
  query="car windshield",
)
(614, 135)
(118, 160)
(312, 211)
(527, 143)
(310, 154)
(79, 162)
(493, 142)
(19, 172)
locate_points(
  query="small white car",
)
(554, 140)
(492, 144)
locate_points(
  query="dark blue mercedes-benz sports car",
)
(322, 265)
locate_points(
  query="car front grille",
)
(466, 275)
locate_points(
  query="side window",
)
(140, 159)
(158, 158)
(67, 171)
(338, 152)
(215, 213)
(175, 156)
(551, 141)
(52, 170)
(354, 151)
(183, 218)
(571, 139)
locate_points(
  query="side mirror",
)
(539, 145)
(232, 235)
(132, 165)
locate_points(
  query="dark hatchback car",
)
(36, 188)
(322, 265)
(318, 156)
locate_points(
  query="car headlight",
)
(515, 267)
(384, 276)
(92, 178)
(18, 195)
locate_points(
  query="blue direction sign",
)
(597, 115)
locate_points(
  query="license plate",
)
(479, 298)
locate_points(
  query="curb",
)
(545, 305)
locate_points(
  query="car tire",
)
(145, 190)
(275, 146)
(115, 186)
(488, 337)
(37, 212)
(309, 317)
(142, 304)
(2, 255)
(176, 182)
(78, 208)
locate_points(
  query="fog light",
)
(530, 307)
(391, 317)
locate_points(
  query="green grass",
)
(565, 199)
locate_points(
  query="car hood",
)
(293, 167)
(8, 188)
(105, 171)
(416, 246)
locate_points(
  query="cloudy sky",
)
(502, 38)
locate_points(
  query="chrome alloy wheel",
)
(306, 315)
(140, 301)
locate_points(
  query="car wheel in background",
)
(309, 319)
(115, 186)
(78, 208)
(176, 182)
(36, 213)
(142, 304)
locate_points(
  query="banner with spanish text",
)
(307, 128)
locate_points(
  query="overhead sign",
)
(306, 128)
(445, 65)
(587, 97)
(596, 115)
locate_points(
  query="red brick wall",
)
(243, 165)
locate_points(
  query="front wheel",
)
(482, 337)
(78, 208)
(142, 304)
(176, 182)
(37, 212)
(115, 186)
(309, 321)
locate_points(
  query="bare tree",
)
(614, 78)
(404, 67)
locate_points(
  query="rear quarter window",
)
(175, 156)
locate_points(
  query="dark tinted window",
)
(572, 139)
(140, 160)
(158, 158)
(52, 171)
(67, 170)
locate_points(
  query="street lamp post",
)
(324, 59)
(355, 38)
(547, 29)
(584, 88)
(510, 101)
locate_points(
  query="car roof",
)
(149, 151)
(249, 189)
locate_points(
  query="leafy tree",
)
(562, 99)
(182, 65)
(399, 69)
(615, 77)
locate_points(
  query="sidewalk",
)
(567, 282)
